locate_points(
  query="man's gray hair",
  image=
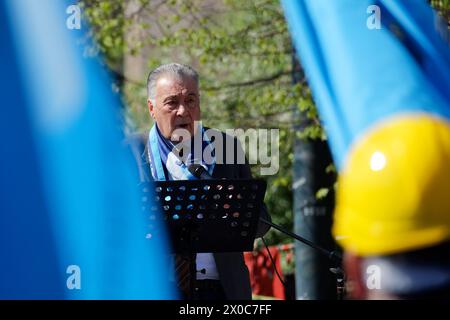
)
(174, 69)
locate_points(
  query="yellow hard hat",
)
(394, 190)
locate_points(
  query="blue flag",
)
(360, 74)
(71, 225)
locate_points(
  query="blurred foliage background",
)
(243, 53)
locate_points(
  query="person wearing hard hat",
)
(386, 114)
(393, 210)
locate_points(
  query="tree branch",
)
(251, 82)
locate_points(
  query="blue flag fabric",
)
(380, 73)
(71, 225)
(361, 76)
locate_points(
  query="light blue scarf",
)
(165, 162)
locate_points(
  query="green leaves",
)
(322, 193)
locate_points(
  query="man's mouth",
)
(182, 125)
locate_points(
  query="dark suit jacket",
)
(233, 272)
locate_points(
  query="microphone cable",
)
(273, 262)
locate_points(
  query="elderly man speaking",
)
(174, 104)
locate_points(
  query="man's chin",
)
(182, 134)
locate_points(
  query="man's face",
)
(177, 105)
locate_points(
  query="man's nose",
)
(181, 110)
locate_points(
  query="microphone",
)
(202, 271)
(199, 171)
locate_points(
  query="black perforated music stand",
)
(211, 215)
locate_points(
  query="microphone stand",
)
(334, 256)
(200, 172)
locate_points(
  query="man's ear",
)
(151, 108)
